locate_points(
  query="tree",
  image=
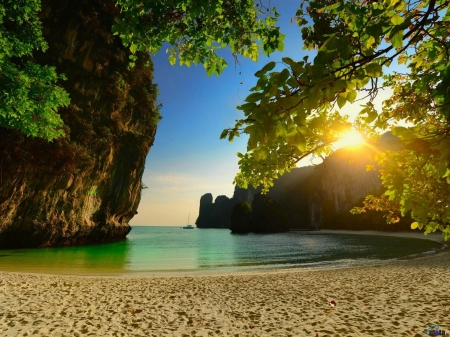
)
(195, 29)
(357, 44)
(30, 94)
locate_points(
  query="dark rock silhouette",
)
(317, 197)
(264, 216)
(240, 218)
(215, 214)
(218, 214)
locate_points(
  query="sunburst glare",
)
(349, 139)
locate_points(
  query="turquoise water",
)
(168, 250)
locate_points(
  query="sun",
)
(349, 139)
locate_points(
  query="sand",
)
(401, 298)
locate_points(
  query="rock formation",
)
(217, 214)
(324, 199)
(240, 218)
(264, 216)
(321, 196)
(335, 186)
(85, 187)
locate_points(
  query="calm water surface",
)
(168, 250)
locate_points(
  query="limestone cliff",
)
(215, 214)
(264, 216)
(338, 184)
(321, 196)
(85, 187)
(218, 214)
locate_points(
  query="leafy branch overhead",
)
(360, 47)
(30, 94)
(197, 29)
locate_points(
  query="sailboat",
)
(187, 224)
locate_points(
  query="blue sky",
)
(188, 159)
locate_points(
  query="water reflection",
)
(110, 258)
(151, 250)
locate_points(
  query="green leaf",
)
(397, 19)
(399, 130)
(414, 225)
(247, 106)
(288, 61)
(370, 41)
(172, 59)
(371, 116)
(224, 134)
(280, 130)
(255, 97)
(341, 100)
(397, 39)
(298, 68)
(433, 225)
(329, 7)
(315, 93)
(374, 70)
(300, 142)
(283, 77)
(268, 67)
(351, 96)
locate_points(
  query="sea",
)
(168, 251)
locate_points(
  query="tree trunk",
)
(84, 187)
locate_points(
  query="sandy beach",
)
(401, 298)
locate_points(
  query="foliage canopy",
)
(290, 113)
(30, 95)
(358, 44)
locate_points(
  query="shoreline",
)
(437, 237)
(403, 297)
(413, 235)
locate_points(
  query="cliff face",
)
(218, 214)
(264, 216)
(215, 214)
(341, 183)
(322, 196)
(85, 187)
(338, 184)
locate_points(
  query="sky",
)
(188, 159)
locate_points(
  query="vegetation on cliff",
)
(30, 90)
(85, 185)
(30, 94)
(292, 113)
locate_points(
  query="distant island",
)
(308, 198)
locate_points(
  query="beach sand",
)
(401, 298)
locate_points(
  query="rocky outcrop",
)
(85, 187)
(264, 216)
(325, 197)
(321, 196)
(218, 214)
(240, 218)
(215, 214)
(339, 183)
